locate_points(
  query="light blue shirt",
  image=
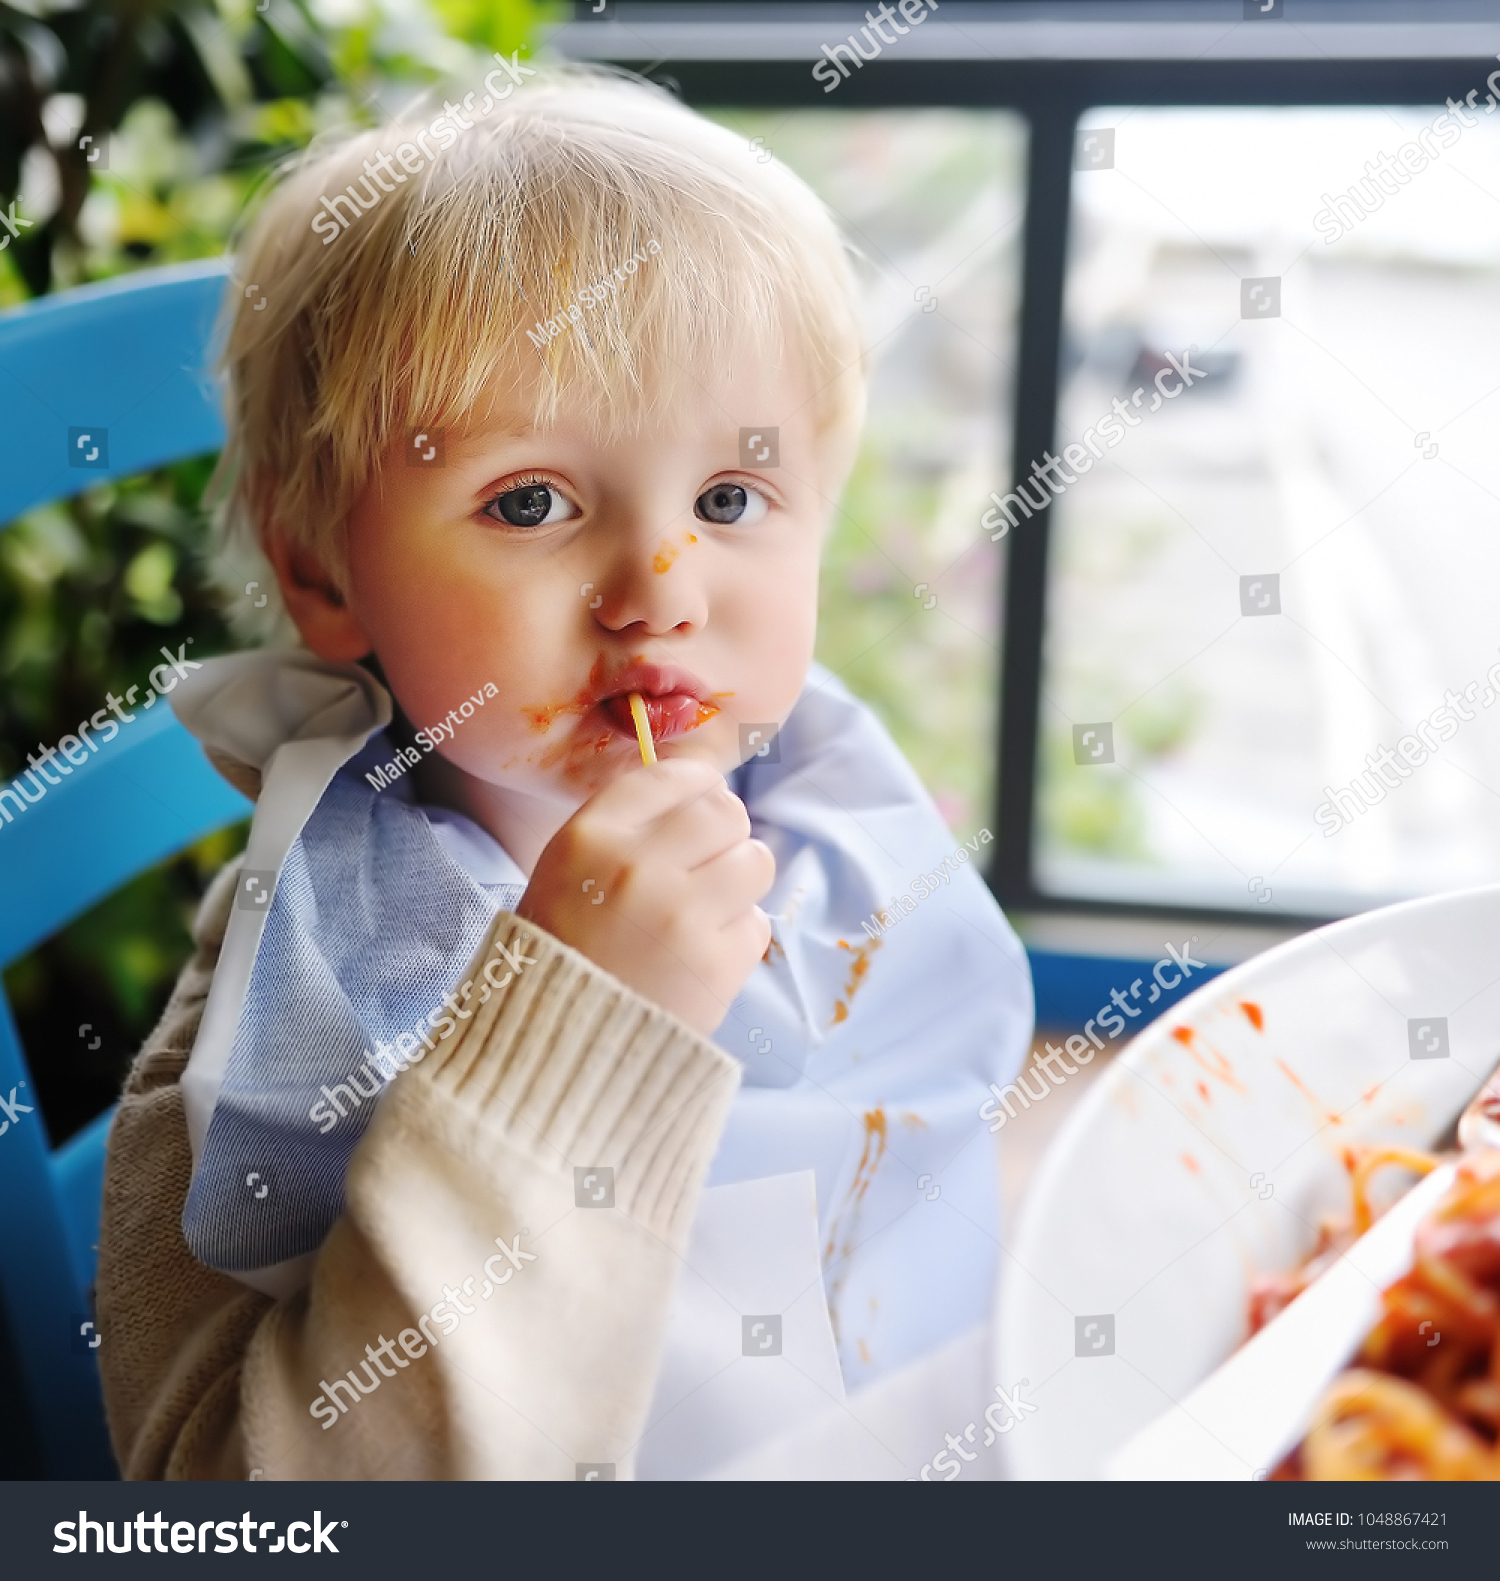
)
(867, 1049)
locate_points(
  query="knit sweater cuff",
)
(576, 1069)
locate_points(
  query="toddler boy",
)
(545, 406)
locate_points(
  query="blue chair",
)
(95, 384)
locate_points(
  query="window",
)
(1294, 456)
(1272, 595)
(909, 617)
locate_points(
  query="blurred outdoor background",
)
(132, 137)
(932, 201)
(185, 108)
(1344, 445)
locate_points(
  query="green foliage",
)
(924, 195)
(931, 682)
(1098, 566)
(1162, 720)
(498, 26)
(192, 102)
(90, 588)
(1086, 810)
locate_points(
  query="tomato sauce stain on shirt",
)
(869, 1161)
(858, 967)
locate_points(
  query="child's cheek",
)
(785, 625)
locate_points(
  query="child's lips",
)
(669, 713)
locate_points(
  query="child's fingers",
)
(735, 880)
(748, 935)
(683, 846)
(642, 795)
(696, 831)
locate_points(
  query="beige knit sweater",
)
(553, 1366)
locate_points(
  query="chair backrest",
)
(97, 383)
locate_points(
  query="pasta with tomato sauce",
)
(1271, 1292)
(1421, 1400)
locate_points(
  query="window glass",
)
(1269, 679)
(909, 617)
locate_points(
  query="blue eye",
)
(730, 503)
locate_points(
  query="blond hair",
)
(587, 231)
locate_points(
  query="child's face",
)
(570, 573)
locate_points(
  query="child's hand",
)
(656, 879)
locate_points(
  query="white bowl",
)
(1209, 1151)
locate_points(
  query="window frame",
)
(1051, 95)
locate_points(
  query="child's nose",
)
(654, 585)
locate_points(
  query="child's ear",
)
(312, 598)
